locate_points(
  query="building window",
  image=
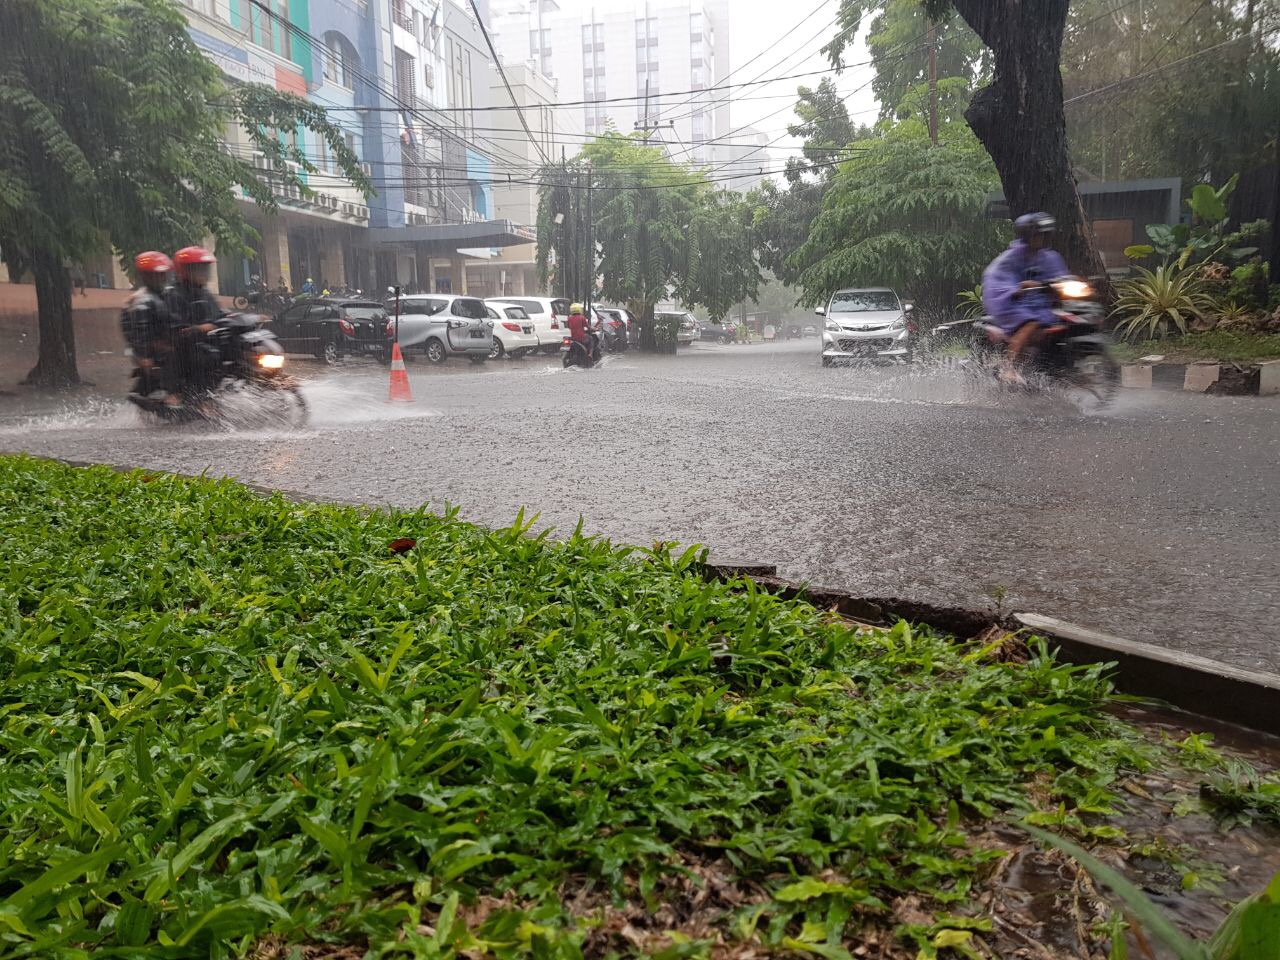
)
(340, 61)
(402, 15)
(267, 23)
(406, 70)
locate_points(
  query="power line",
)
(497, 62)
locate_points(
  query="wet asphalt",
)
(1156, 521)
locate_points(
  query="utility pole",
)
(591, 247)
(644, 124)
(933, 83)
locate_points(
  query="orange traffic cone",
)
(399, 390)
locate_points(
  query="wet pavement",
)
(1156, 521)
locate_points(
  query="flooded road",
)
(1156, 521)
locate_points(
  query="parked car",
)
(611, 329)
(809, 330)
(441, 326)
(687, 329)
(717, 331)
(625, 315)
(866, 324)
(549, 315)
(513, 333)
(332, 328)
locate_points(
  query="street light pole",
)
(591, 246)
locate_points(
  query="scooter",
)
(237, 371)
(575, 354)
(1072, 355)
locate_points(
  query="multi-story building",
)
(404, 80)
(654, 66)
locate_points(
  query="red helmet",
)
(152, 261)
(188, 256)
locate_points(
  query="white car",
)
(868, 323)
(443, 326)
(513, 332)
(549, 315)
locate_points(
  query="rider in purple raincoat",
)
(1013, 284)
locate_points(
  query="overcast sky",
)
(756, 30)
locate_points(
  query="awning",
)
(445, 239)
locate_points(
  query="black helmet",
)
(1030, 223)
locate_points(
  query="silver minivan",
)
(441, 325)
(866, 323)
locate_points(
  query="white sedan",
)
(513, 332)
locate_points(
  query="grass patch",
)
(1212, 345)
(230, 723)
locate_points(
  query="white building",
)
(650, 67)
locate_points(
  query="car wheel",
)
(330, 353)
(436, 352)
(497, 351)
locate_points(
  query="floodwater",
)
(1152, 521)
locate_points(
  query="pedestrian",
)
(78, 278)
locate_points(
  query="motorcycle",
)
(575, 354)
(237, 374)
(1074, 355)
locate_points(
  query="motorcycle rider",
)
(309, 287)
(146, 320)
(193, 308)
(1013, 287)
(580, 331)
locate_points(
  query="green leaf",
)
(1139, 251)
(1206, 203)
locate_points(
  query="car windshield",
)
(531, 306)
(863, 301)
(365, 311)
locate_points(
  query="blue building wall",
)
(363, 29)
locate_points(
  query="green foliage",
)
(1152, 302)
(1137, 125)
(970, 301)
(1250, 285)
(905, 214)
(114, 134)
(224, 717)
(1206, 238)
(657, 226)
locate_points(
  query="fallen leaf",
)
(403, 545)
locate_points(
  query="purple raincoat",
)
(1001, 279)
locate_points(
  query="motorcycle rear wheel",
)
(1093, 381)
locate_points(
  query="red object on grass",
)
(403, 545)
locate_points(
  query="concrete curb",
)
(1191, 683)
(1204, 376)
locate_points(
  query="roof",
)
(445, 239)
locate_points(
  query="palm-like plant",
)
(970, 302)
(1155, 300)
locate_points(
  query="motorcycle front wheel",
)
(1093, 381)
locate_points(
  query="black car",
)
(332, 328)
(716, 331)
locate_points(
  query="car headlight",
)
(832, 327)
(270, 361)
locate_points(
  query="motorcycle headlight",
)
(1073, 289)
(270, 361)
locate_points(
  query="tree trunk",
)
(56, 363)
(1020, 120)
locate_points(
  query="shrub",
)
(1149, 303)
(1249, 285)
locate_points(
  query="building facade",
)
(653, 67)
(404, 80)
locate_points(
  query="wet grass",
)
(231, 723)
(1213, 345)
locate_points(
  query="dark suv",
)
(332, 328)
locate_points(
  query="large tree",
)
(113, 138)
(1018, 116)
(905, 213)
(656, 229)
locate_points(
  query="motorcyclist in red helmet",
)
(193, 307)
(146, 321)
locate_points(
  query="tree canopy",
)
(115, 128)
(657, 229)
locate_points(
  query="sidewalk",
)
(99, 343)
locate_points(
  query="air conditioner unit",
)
(262, 162)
